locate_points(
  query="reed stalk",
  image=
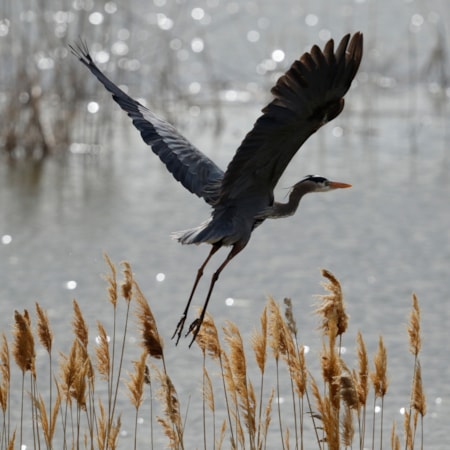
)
(87, 387)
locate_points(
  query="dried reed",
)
(151, 339)
(418, 401)
(136, 388)
(86, 412)
(380, 383)
(332, 307)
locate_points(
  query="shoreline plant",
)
(331, 408)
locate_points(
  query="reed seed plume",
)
(362, 378)
(348, 429)
(236, 356)
(12, 441)
(276, 329)
(379, 376)
(79, 326)
(326, 412)
(208, 339)
(395, 440)
(5, 372)
(102, 352)
(295, 360)
(137, 379)
(171, 422)
(208, 391)
(80, 386)
(259, 342)
(44, 331)
(332, 306)
(23, 347)
(112, 281)
(288, 313)
(267, 416)
(238, 366)
(221, 437)
(230, 390)
(349, 392)
(102, 425)
(415, 340)
(151, 339)
(408, 431)
(127, 284)
(113, 436)
(48, 424)
(67, 371)
(330, 362)
(418, 396)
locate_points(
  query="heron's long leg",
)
(180, 325)
(194, 328)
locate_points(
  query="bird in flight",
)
(307, 96)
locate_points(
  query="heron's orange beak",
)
(339, 185)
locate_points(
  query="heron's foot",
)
(179, 329)
(194, 328)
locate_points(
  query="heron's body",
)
(306, 97)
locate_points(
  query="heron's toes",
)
(179, 329)
(194, 328)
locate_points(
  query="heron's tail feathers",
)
(195, 235)
(210, 232)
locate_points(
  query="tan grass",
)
(128, 282)
(238, 371)
(349, 393)
(23, 346)
(332, 306)
(289, 315)
(5, 372)
(79, 325)
(12, 441)
(44, 331)
(171, 421)
(259, 342)
(47, 423)
(136, 382)
(395, 440)
(112, 281)
(276, 329)
(415, 340)
(339, 391)
(102, 352)
(208, 338)
(348, 429)
(151, 339)
(419, 402)
(362, 378)
(379, 375)
(208, 391)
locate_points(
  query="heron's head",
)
(316, 183)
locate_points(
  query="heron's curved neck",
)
(279, 210)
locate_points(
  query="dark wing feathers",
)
(305, 98)
(194, 170)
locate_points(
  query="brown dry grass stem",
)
(328, 406)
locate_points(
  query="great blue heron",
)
(306, 97)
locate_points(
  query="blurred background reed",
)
(195, 57)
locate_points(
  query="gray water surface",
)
(385, 238)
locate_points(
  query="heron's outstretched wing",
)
(307, 96)
(194, 170)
